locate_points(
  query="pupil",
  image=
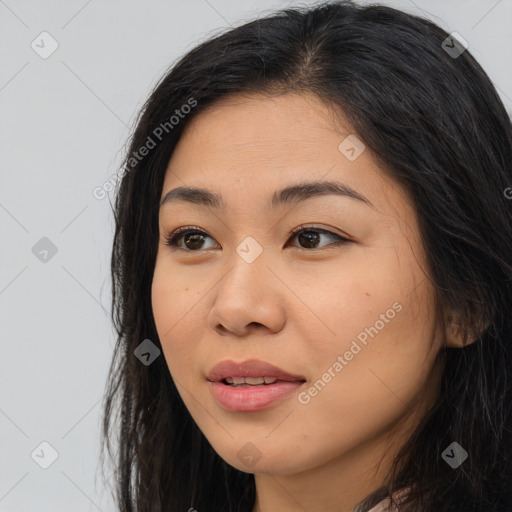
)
(311, 236)
(189, 236)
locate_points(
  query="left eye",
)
(195, 237)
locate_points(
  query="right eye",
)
(192, 234)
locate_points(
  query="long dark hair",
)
(438, 127)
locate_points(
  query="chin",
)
(258, 457)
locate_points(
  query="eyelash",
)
(173, 238)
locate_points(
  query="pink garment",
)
(384, 505)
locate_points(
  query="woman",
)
(313, 230)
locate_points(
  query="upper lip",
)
(250, 368)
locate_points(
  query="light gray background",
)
(63, 123)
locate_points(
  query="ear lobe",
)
(455, 333)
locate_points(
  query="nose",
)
(249, 298)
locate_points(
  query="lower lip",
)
(253, 398)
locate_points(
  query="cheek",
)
(161, 302)
(375, 384)
(171, 298)
(347, 297)
(167, 302)
(179, 317)
(380, 321)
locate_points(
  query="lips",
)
(251, 386)
(252, 368)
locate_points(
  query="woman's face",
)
(353, 319)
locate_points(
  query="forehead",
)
(288, 121)
(263, 144)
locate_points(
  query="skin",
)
(296, 307)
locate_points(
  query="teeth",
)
(253, 381)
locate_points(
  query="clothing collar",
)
(385, 504)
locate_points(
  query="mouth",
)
(243, 382)
(252, 397)
(251, 385)
(252, 372)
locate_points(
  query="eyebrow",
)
(290, 195)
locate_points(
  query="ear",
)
(454, 334)
(455, 331)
